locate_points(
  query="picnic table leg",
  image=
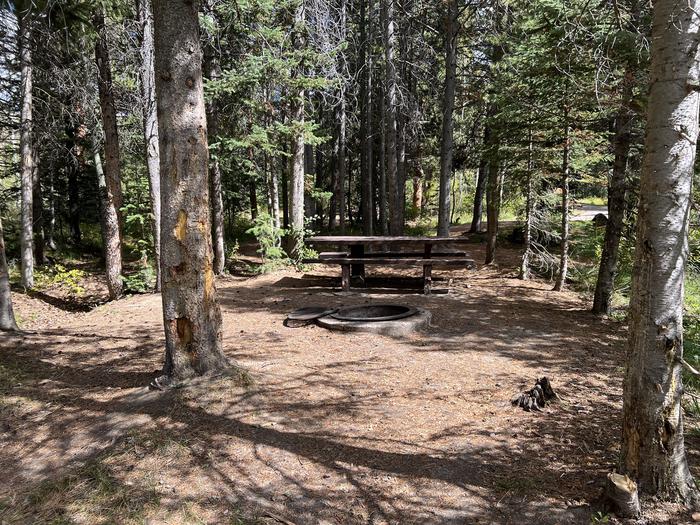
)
(358, 250)
(427, 278)
(345, 277)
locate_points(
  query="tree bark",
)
(7, 315)
(448, 105)
(150, 125)
(493, 197)
(109, 228)
(38, 211)
(366, 128)
(111, 194)
(296, 186)
(653, 450)
(482, 178)
(390, 113)
(565, 167)
(191, 313)
(213, 72)
(26, 144)
(529, 206)
(341, 176)
(617, 197)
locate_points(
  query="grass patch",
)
(593, 201)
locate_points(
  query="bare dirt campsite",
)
(327, 427)
(349, 262)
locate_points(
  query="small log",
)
(621, 495)
(537, 398)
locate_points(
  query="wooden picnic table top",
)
(383, 239)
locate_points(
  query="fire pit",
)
(374, 312)
(386, 319)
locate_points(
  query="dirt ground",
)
(335, 428)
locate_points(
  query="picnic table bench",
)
(385, 252)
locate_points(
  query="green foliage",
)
(270, 243)
(141, 281)
(58, 275)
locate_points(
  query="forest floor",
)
(334, 428)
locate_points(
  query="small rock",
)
(696, 516)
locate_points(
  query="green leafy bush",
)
(60, 276)
(141, 281)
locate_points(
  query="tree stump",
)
(621, 496)
(537, 398)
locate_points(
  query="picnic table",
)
(389, 251)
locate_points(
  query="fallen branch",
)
(536, 399)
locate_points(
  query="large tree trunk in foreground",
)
(111, 194)
(448, 105)
(653, 451)
(617, 196)
(26, 145)
(7, 315)
(191, 313)
(150, 125)
(564, 256)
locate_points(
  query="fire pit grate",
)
(374, 313)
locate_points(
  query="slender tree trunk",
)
(653, 450)
(112, 193)
(529, 205)
(191, 314)
(493, 197)
(74, 169)
(274, 198)
(393, 193)
(383, 197)
(617, 197)
(110, 229)
(150, 125)
(285, 192)
(366, 129)
(50, 222)
(26, 144)
(296, 187)
(564, 257)
(7, 315)
(448, 104)
(482, 178)
(213, 72)
(340, 163)
(38, 211)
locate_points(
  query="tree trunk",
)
(493, 198)
(529, 205)
(392, 181)
(366, 129)
(74, 169)
(109, 228)
(295, 238)
(564, 256)
(481, 180)
(26, 145)
(50, 223)
(7, 315)
(150, 125)
(38, 211)
(340, 163)
(213, 73)
(191, 314)
(617, 197)
(448, 105)
(111, 194)
(383, 198)
(653, 450)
